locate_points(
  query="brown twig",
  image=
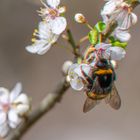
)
(46, 105)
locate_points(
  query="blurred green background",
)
(40, 74)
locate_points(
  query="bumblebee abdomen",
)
(96, 96)
(102, 85)
(105, 77)
(105, 80)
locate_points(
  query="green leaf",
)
(100, 26)
(93, 36)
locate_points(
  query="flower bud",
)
(66, 67)
(80, 18)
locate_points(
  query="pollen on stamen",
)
(33, 40)
(35, 32)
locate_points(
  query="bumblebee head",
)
(102, 63)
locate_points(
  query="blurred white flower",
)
(121, 12)
(14, 106)
(77, 77)
(80, 18)
(108, 51)
(52, 14)
(44, 39)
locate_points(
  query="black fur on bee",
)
(101, 80)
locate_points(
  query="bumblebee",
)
(101, 86)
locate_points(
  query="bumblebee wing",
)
(89, 104)
(114, 99)
(107, 99)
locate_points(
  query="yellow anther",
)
(35, 31)
(33, 40)
(34, 34)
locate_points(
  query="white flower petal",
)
(117, 53)
(134, 18)
(126, 20)
(71, 72)
(58, 25)
(53, 3)
(22, 99)
(109, 8)
(14, 119)
(123, 19)
(4, 129)
(76, 75)
(123, 36)
(44, 30)
(36, 47)
(2, 117)
(75, 71)
(44, 49)
(22, 109)
(83, 67)
(105, 18)
(75, 81)
(77, 84)
(15, 92)
(4, 95)
(102, 46)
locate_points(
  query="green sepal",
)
(115, 42)
(120, 44)
(93, 36)
(100, 26)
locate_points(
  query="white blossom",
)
(121, 12)
(14, 106)
(76, 76)
(108, 51)
(52, 14)
(44, 39)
